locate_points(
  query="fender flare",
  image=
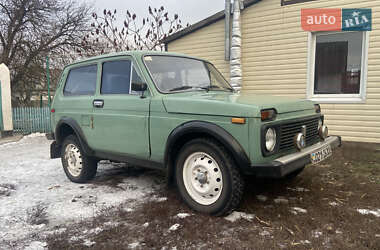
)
(214, 131)
(73, 124)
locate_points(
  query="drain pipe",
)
(236, 73)
(227, 30)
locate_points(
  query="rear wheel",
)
(78, 167)
(207, 177)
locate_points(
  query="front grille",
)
(289, 130)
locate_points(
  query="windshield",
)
(172, 74)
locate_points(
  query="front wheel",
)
(207, 177)
(78, 167)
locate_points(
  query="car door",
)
(121, 116)
(75, 100)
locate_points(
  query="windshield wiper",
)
(181, 88)
(208, 88)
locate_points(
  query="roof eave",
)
(201, 24)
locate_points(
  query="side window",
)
(81, 81)
(116, 77)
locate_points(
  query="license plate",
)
(321, 155)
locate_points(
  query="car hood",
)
(231, 104)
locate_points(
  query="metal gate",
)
(28, 120)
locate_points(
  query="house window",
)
(338, 67)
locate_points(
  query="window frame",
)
(336, 98)
(77, 67)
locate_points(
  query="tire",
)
(207, 177)
(294, 174)
(78, 167)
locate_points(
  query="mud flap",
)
(55, 150)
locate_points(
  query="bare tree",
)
(107, 36)
(32, 29)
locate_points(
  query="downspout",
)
(236, 72)
(227, 31)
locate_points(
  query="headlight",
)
(320, 124)
(270, 139)
(300, 141)
(323, 132)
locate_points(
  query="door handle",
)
(98, 103)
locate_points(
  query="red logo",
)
(321, 19)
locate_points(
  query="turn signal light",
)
(238, 120)
(268, 114)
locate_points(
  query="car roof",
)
(135, 53)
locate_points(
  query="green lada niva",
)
(178, 114)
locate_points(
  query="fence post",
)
(6, 102)
(48, 79)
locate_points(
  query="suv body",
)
(178, 114)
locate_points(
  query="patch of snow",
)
(36, 179)
(159, 199)
(35, 135)
(111, 224)
(367, 211)
(234, 216)
(174, 227)
(299, 189)
(316, 234)
(333, 204)
(338, 232)
(96, 230)
(36, 245)
(89, 243)
(128, 209)
(281, 200)
(75, 238)
(133, 245)
(305, 242)
(183, 215)
(264, 233)
(296, 210)
(146, 224)
(262, 198)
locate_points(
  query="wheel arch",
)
(67, 126)
(196, 129)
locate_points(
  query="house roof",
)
(205, 22)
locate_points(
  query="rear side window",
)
(116, 77)
(81, 81)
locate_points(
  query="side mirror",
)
(139, 86)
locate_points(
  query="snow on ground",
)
(36, 196)
(375, 212)
(183, 215)
(298, 210)
(234, 216)
(174, 227)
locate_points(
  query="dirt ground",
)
(319, 209)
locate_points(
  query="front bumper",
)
(289, 163)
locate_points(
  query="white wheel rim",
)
(74, 160)
(202, 178)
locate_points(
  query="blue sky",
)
(190, 11)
